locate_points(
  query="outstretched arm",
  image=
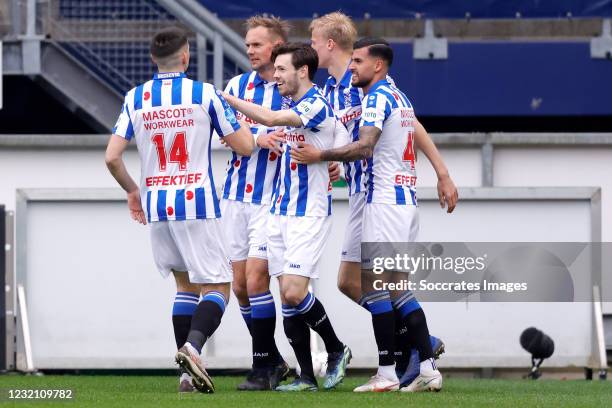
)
(265, 116)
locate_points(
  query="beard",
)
(289, 88)
(361, 82)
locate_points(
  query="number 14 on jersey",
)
(178, 150)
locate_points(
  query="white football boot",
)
(378, 383)
(429, 379)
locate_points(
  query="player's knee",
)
(293, 295)
(257, 283)
(350, 288)
(240, 290)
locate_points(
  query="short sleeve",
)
(222, 115)
(233, 85)
(124, 126)
(312, 112)
(376, 111)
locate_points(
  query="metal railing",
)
(111, 38)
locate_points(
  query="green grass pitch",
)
(160, 392)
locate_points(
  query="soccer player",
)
(333, 36)
(299, 223)
(172, 119)
(390, 213)
(246, 203)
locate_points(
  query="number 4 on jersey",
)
(409, 150)
(178, 150)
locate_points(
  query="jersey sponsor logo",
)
(167, 118)
(172, 113)
(369, 114)
(405, 180)
(169, 124)
(350, 116)
(304, 107)
(294, 137)
(179, 180)
(408, 118)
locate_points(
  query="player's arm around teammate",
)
(299, 222)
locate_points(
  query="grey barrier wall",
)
(95, 299)
(75, 248)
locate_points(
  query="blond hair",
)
(338, 27)
(277, 27)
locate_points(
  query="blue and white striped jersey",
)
(345, 99)
(251, 178)
(391, 174)
(305, 190)
(172, 119)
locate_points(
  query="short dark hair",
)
(168, 41)
(377, 47)
(301, 54)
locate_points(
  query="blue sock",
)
(306, 304)
(246, 313)
(383, 322)
(414, 323)
(288, 311)
(184, 305)
(377, 302)
(313, 313)
(265, 352)
(262, 306)
(406, 303)
(206, 318)
(363, 301)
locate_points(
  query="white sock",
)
(428, 367)
(192, 349)
(388, 372)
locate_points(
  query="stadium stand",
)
(523, 50)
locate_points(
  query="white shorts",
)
(351, 247)
(245, 229)
(195, 246)
(386, 224)
(295, 244)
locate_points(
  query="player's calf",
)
(205, 321)
(349, 280)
